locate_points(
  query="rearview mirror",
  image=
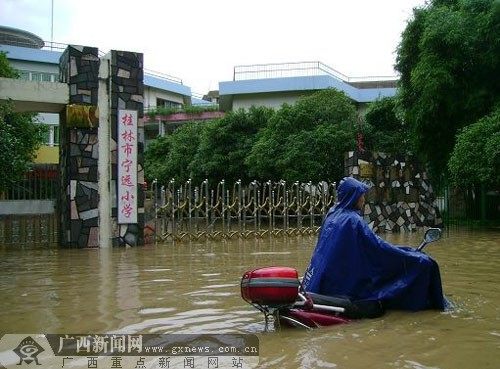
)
(432, 234)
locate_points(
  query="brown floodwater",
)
(194, 288)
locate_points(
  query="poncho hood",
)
(349, 191)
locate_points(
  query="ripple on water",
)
(193, 321)
(210, 293)
(206, 302)
(162, 280)
(172, 323)
(210, 254)
(157, 270)
(149, 311)
(222, 285)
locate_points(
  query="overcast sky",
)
(201, 41)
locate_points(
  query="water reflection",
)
(192, 288)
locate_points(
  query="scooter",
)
(277, 292)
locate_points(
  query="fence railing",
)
(40, 183)
(216, 211)
(27, 214)
(298, 69)
(164, 76)
(469, 206)
(24, 230)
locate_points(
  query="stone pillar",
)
(127, 90)
(80, 163)
(401, 198)
(78, 204)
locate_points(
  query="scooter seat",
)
(353, 309)
(338, 301)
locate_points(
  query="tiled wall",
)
(401, 198)
(79, 201)
(127, 90)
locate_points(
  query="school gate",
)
(98, 187)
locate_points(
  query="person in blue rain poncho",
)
(351, 261)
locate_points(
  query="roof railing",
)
(298, 69)
(58, 46)
(164, 76)
(54, 46)
(18, 43)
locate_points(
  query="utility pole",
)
(52, 25)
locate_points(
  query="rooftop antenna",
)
(52, 25)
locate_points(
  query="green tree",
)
(225, 144)
(6, 70)
(476, 156)
(20, 136)
(449, 65)
(306, 141)
(385, 131)
(155, 158)
(185, 142)
(170, 156)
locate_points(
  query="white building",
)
(37, 62)
(272, 85)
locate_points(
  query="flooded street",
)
(194, 288)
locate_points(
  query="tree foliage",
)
(6, 70)
(386, 131)
(306, 141)
(301, 142)
(155, 158)
(170, 156)
(20, 136)
(225, 144)
(476, 155)
(216, 149)
(184, 146)
(449, 65)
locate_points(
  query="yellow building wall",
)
(47, 155)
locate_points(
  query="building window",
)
(47, 77)
(28, 75)
(51, 137)
(162, 103)
(36, 76)
(56, 135)
(24, 75)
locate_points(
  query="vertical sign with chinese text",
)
(127, 166)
